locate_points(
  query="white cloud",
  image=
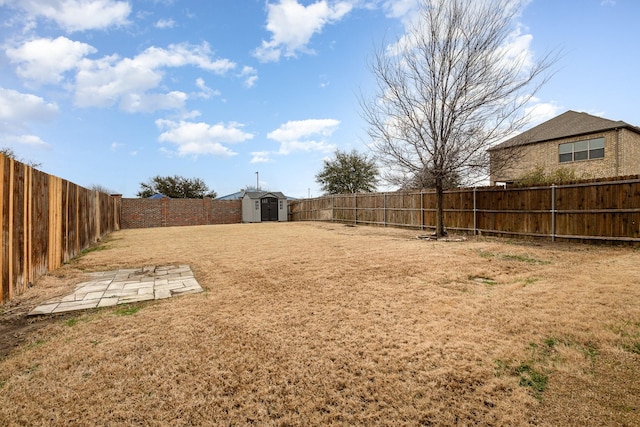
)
(265, 53)
(250, 76)
(539, 112)
(102, 82)
(18, 110)
(202, 138)
(205, 91)
(305, 135)
(536, 112)
(515, 53)
(292, 25)
(165, 23)
(178, 55)
(399, 8)
(186, 115)
(32, 141)
(261, 157)
(112, 80)
(517, 49)
(250, 81)
(46, 60)
(149, 102)
(77, 15)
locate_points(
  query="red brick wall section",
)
(147, 213)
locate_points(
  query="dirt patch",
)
(313, 324)
(15, 327)
(13, 330)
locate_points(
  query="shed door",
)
(269, 211)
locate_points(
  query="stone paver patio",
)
(124, 286)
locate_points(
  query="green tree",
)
(176, 187)
(450, 88)
(348, 173)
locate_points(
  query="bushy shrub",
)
(538, 176)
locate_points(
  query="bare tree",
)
(101, 189)
(8, 152)
(450, 88)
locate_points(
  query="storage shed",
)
(262, 206)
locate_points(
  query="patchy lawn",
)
(313, 324)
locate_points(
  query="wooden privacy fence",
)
(590, 211)
(46, 221)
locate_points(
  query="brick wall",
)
(629, 152)
(146, 213)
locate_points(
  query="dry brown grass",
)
(322, 324)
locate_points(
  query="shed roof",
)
(262, 194)
(568, 124)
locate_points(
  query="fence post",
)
(333, 204)
(475, 213)
(553, 212)
(421, 210)
(384, 209)
(355, 208)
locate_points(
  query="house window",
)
(581, 150)
(257, 205)
(281, 205)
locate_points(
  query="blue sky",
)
(114, 92)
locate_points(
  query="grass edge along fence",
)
(596, 210)
(46, 221)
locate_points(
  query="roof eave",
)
(523, 144)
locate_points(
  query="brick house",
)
(592, 146)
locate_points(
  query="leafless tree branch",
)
(448, 90)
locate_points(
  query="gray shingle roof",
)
(260, 194)
(568, 124)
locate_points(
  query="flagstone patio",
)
(124, 286)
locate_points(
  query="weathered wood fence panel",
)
(514, 211)
(45, 222)
(598, 210)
